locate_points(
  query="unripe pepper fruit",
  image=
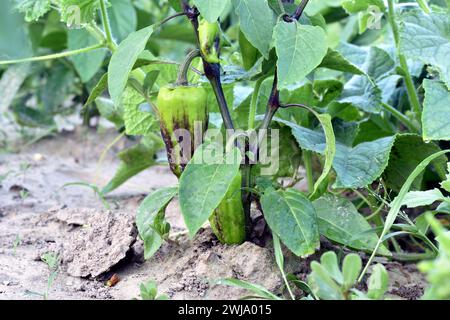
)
(228, 220)
(209, 39)
(182, 107)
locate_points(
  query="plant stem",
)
(298, 13)
(54, 56)
(280, 4)
(179, 14)
(307, 161)
(273, 104)
(107, 26)
(253, 104)
(274, 99)
(424, 5)
(182, 79)
(414, 256)
(212, 72)
(246, 171)
(412, 93)
(401, 117)
(96, 32)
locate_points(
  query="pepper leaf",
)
(291, 216)
(339, 221)
(211, 9)
(425, 37)
(436, 111)
(123, 60)
(204, 183)
(297, 57)
(257, 22)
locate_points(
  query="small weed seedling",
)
(52, 261)
(16, 243)
(149, 291)
(329, 282)
(94, 188)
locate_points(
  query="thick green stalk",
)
(412, 93)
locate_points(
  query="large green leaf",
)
(336, 61)
(211, 9)
(204, 183)
(133, 161)
(300, 49)
(359, 166)
(123, 18)
(415, 199)
(150, 219)
(426, 37)
(356, 166)
(339, 221)
(257, 22)
(138, 116)
(14, 41)
(86, 64)
(292, 217)
(362, 91)
(436, 111)
(123, 60)
(353, 53)
(408, 151)
(363, 94)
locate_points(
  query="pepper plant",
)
(355, 91)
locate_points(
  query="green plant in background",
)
(438, 270)
(149, 291)
(344, 90)
(330, 282)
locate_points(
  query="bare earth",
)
(38, 215)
